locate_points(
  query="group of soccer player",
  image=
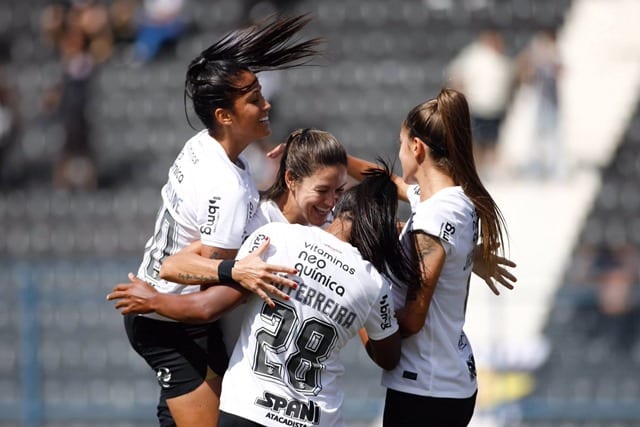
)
(243, 300)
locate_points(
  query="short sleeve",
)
(381, 321)
(256, 221)
(440, 216)
(223, 218)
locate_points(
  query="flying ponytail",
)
(211, 78)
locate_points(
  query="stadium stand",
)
(592, 326)
(63, 250)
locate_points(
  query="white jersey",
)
(207, 197)
(438, 360)
(285, 368)
(268, 212)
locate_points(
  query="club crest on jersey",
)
(212, 216)
(284, 411)
(447, 230)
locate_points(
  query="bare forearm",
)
(431, 255)
(198, 307)
(356, 167)
(190, 269)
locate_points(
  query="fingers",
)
(276, 151)
(507, 274)
(265, 298)
(265, 288)
(506, 262)
(492, 286)
(279, 280)
(263, 247)
(282, 269)
(504, 282)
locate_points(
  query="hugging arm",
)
(431, 255)
(199, 307)
(385, 352)
(356, 168)
(199, 264)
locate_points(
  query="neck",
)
(432, 180)
(289, 209)
(230, 146)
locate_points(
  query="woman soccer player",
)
(434, 384)
(210, 196)
(285, 366)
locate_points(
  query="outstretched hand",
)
(500, 274)
(261, 278)
(134, 297)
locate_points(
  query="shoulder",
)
(451, 199)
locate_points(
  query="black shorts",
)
(409, 410)
(179, 354)
(229, 420)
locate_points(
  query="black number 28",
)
(313, 338)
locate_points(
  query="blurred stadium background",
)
(562, 349)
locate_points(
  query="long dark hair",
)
(305, 151)
(444, 125)
(372, 206)
(269, 45)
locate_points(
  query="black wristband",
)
(224, 272)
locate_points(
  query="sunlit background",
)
(92, 116)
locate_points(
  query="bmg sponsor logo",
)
(385, 313)
(212, 216)
(447, 230)
(287, 411)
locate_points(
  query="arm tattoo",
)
(189, 278)
(425, 246)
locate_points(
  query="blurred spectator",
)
(617, 293)
(540, 68)
(122, 16)
(92, 18)
(485, 74)
(159, 23)
(75, 167)
(10, 125)
(52, 24)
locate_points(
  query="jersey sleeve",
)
(222, 217)
(439, 217)
(256, 221)
(381, 321)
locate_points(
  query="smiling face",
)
(250, 111)
(311, 198)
